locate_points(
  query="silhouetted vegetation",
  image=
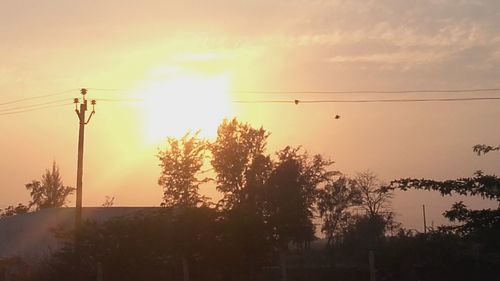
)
(263, 228)
(14, 210)
(50, 192)
(483, 148)
(181, 163)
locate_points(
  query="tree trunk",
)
(371, 263)
(330, 238)
(185, 268)
(99, 274)
(283, 265)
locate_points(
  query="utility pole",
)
(425, 223)
(81, 134)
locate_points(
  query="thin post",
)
(425, 222)
(371, 262)
(81, 136)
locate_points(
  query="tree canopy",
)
(265, 223)
(237, 155)
(335, 202)
(50, 192)
(14, 210)
(181, 164)
(486, 186)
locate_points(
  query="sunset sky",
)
(161, 68)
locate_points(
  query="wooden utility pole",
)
(81, 134)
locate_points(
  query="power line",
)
(371, 100)
(297, 101)
(120, 100)
(34, 109)
(104, 89)
(31, 106)
(28, 108)
(37, 97)
(423, 91)
(56, 103)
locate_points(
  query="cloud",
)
(355, 34)
(418, 34)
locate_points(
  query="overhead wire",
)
(104, 89)
(423, 91)
(119, 100)
(370, 100)
(37, 106)
(34, 109)
(32, 105)
(37, 97)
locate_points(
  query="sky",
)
(159, 68)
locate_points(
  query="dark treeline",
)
(264, 227)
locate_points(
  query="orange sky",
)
(147, 51)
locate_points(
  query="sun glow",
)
(183, 103)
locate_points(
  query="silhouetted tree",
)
(50, 192)
(109, 201)
(181, 164)
(238, 159)
(292, 188)
(151, 245)
(192, 233)
(242, 170)
(363, 235)
(473, 220)
(486, 186)
(483, 226)
(335, 201)
(374, 197)
(12, 211)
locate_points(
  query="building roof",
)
(31, 235)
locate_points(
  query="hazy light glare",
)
(184, 102)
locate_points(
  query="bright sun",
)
(179, 104)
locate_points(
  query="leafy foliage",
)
(483, 149)
(486, 186)
(334, 203)
(480, 226)
(269, 203)
(362, 235)
(292, 189)
(238, 153)
(152, 246)
(50, 192)
(181, 164)
(109, 201)
(12, 211)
